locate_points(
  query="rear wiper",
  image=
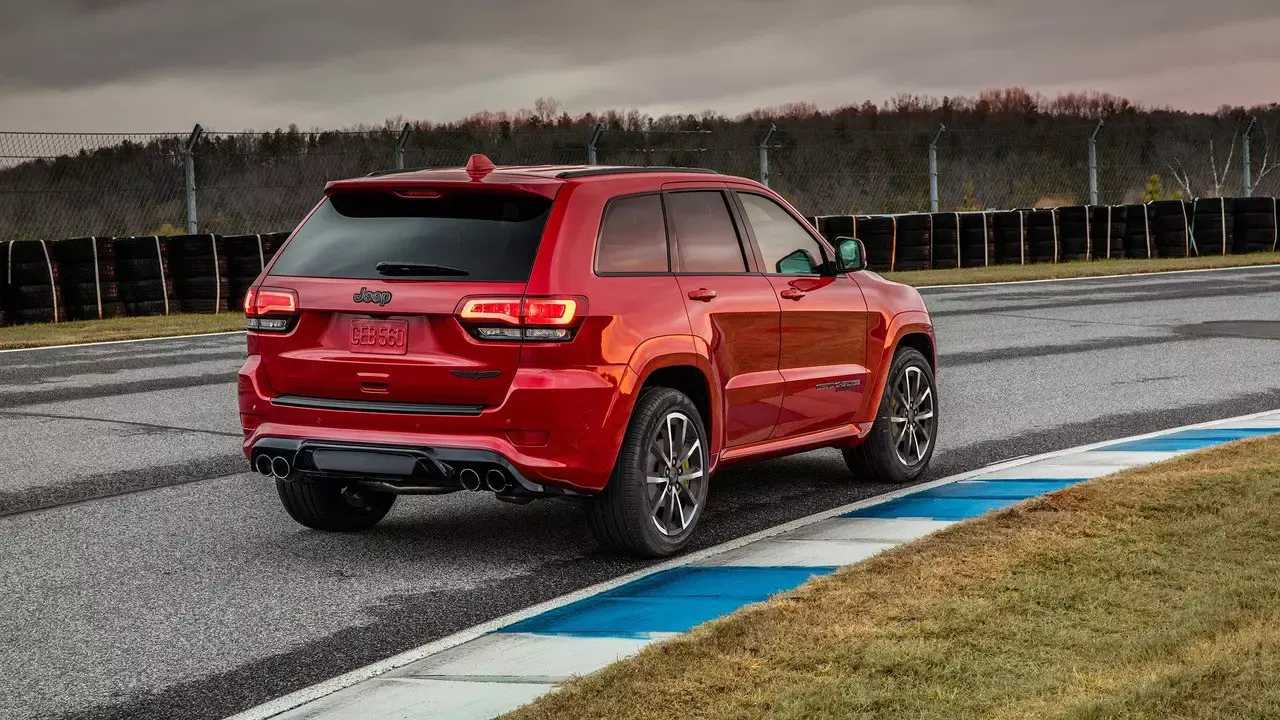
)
(417, 269)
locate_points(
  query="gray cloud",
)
(240, 63)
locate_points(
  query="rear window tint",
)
(494, 237)
(633, 237)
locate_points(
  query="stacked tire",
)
(142, 273)
(1075, 233)
(878, 234)
(946, 240)
(1138, 232)
(914, 242)
(33, 284)
(87, 271)
(271, 244)
(1042, 236)
(1256, 226)
(198, 265)
(975, 240)
(246, 257)
(1106, 231)
(1009, 230)
(1213, 225)
(4, 280)
(1171, 228)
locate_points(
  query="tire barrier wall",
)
(1158, 229)
(96, 278)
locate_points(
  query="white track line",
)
(1157, 273)
(121, 342)
(328, 687)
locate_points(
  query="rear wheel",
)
(333, 507)
(659, 484)
(901, 441)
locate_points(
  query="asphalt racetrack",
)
(148, 574)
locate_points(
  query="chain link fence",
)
(55, 186)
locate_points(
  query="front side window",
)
(705, 236)
(633, 237)
(785, 246)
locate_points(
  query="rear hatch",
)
(379, 274)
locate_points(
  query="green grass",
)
(1092, 268)
(87, 331)
(159, 326)
(1150, 594)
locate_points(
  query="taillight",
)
(270, 309)
(551, 319)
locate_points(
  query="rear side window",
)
(633, 237)
(705, 236)
(492, 237)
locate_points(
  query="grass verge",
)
(87, 331)
(1091, 268)
(1154, 593)
(38, 335)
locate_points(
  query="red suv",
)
(612, 335)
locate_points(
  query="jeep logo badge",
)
(365, 296)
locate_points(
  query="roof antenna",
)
(479, 166)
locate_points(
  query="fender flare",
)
(903, 324)
(666, 351)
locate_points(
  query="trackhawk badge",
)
(367, 296)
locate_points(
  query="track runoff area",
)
(135, 535)
(488, 670)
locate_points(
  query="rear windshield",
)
(493, 237)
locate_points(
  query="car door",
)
(732, 309)
(823, 350)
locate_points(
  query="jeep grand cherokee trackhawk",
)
(612, 335)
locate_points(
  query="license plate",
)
(380, 337)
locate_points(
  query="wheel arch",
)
(674, 361)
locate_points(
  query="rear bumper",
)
(582, 411)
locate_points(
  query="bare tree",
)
(1270, 155)
(1183, 177)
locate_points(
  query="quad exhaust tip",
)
(279, 467)
(263, 465)
(496, 480)
(470, 479)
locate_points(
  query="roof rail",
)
(589, 172)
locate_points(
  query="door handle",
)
(702, 294)
(792, 294)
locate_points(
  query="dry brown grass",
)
(1150, 594)
(87, 331)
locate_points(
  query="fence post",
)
(591, 146)
(764, 155)
(189, 165)
(933, 169)
(1093, 163)
(1246, 156)
(404, 138)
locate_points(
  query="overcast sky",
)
(159, 65)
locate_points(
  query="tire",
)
(323, 506)
(624, 517)
(877, 458)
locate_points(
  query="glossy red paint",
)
(780, 363)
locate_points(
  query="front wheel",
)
(659, 484)
(333, 507)
(900, 444)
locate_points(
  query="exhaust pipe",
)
(470, 479)
(495, 480)
(279, 467)
(263, 465)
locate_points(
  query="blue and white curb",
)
(499, 666)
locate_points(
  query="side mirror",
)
(851, 255)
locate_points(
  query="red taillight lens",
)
(511, 318)
(550, 311)
(506, 310)
(270, 309)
